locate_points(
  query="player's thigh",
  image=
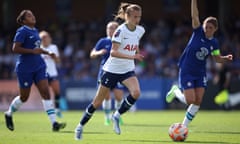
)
(118, 94)
(55, 85)
(199, 92)
(41, 81)
(133, 86)
(189, 95)
(43, 88)
(101, 94)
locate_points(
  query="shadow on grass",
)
(209, 142)
(146, 125)
(193, 142)
(85, 132)
(218, 132)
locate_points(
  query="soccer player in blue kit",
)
(102, 49)
(30, 67)
(192, 64)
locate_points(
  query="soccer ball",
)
(178, 132)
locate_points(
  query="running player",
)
(51, 63)
(102, 48)
(120, 66)
(192, 65)
(30, 68)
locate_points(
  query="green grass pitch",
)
(141, 127)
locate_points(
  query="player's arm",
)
(17, 48)
(115, 53)
(221, 59)
(55, 55)
(195, 14)
(94, 53)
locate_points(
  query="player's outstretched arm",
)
(195, 14)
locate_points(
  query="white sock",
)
(49, 108)
(15, 105)
(190, 114)
(180, 96)
(117, 104)
(116, 114)
(106, 105)
(234, 99)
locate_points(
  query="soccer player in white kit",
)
(120, 66)
(51, 62)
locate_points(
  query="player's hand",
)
(229, 57)
(52, 55)
(138, 57)
(38, 51)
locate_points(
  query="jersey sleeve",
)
(141, 31)
(117, 36)
(19, 36)
(99, 45)
(55, 50)
(215, 48)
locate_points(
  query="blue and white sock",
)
(14, 106)
(49, 108)
(106, 105)
(180, 96)
(190, 114)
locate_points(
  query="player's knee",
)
(45, 95)
(136, 93)
(24, 98)
(190, 101)
(97, 103)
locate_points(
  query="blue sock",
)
(88, 114)
(126, 105)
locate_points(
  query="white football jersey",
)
(51, 65)
(129, 42)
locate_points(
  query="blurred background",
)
(76, 26)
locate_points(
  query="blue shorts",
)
(187, 81)
(111, 80)
(25, 79)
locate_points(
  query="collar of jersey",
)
(129, 29)
(29, 27)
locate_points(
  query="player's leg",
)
(97, 101)
(131, 82)
(134, 89)
(175, 92)
(194, 98)
(25, 82)
(43, 88)
(106, 105)
(233, 100)
(118, 94)
(55, 85)
(41, 82)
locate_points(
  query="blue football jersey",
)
(104, 43)
(193, 59)
(29, 38)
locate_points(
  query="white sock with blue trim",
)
(49, 108)
(106, 105)
(15, 105)
(178, 93)
(190, 114)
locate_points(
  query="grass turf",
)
(141, 127)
